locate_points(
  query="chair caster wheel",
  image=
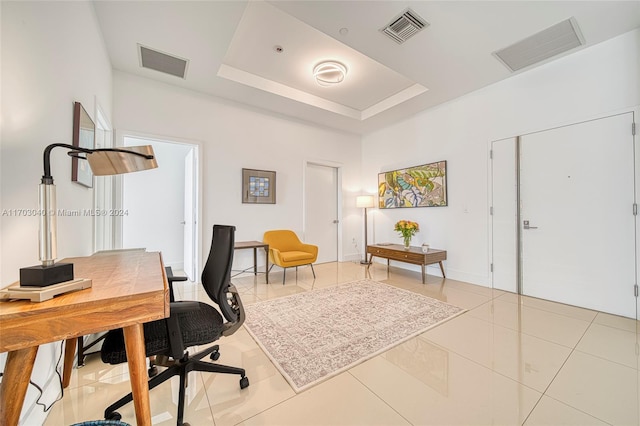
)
(153, 371)
(215, 356)
(114, 415)
(244, 382)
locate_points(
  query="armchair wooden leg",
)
(284, 274)
(312, 270)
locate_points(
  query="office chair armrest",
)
(174, 334)
(172, 279)
(230, 327)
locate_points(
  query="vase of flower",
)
(407, 230)
(407, 243)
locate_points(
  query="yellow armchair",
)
(287, 251)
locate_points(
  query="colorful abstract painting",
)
(420, 186)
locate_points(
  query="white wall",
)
(233, 137)
(52, 55)
(583, 85)
(154, 203)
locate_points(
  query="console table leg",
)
(442, 269)
(423, 274)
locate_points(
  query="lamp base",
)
(42, 276)
(364, 262)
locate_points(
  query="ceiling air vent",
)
(553, 41)
(162, 62)
(405, 26)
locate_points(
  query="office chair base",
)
(244, 382)
(182, 368)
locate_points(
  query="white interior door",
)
(321, 210)
(189, 217)
(577, 222)
(504, 214)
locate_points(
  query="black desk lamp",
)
(103, 162)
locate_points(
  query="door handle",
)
(526, 225)
(336, 221)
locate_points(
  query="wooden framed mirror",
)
(84, 133)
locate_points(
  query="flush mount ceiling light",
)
(329, 73)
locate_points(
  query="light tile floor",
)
(509, 360)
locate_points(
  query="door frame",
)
(338, 167)
(118, 188)
(100, 221)
(635, 114)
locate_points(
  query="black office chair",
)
(189, 324)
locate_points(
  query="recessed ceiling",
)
(252, 59)
(230, 46)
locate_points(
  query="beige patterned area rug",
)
(315, 335)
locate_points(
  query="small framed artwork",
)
(258, 186)
(84, 132)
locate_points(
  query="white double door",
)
(573, 215)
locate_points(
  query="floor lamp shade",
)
(364, 202)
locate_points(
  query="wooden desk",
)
(414, 255)
(128, 289)
(255, 245)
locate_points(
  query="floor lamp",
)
(103, 162)
(365, 201)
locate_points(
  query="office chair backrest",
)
(216, 275)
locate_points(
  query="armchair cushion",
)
(294, 256)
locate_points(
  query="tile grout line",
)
(376, 395)
(544, 393)
(548, 310)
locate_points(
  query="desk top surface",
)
(128, 286)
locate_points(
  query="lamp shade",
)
(364, 201)
(115, 162)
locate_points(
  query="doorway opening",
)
(160, 207)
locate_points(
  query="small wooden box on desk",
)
(414, 255)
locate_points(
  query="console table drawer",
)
(397, 255)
